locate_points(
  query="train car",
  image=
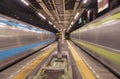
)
(17, 37)
(102, 38)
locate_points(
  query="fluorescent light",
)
(25, 2)
(76, 15)
(69, 28)
(72, 23)
(50, 22)
(85, 1)
(54, 26)
(99, 0)
(41, 15)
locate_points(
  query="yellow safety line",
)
(26, 71)
(83, 69)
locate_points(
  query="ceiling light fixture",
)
(50, 22)
(72, 23)
(54, 26)
(77, 14)
(85, 1)
(41, 15)
(25, 2)
(69, 28)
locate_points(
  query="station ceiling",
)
(59, 15)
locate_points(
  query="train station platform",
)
(59, 39)
(74, 63)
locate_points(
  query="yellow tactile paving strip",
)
(83, 69)
(26, 71)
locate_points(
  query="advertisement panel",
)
(102, 4)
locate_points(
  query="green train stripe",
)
(113, 17)
(109, 55)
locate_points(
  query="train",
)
(17, 37)
(101, 39)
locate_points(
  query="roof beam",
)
(44, 7)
